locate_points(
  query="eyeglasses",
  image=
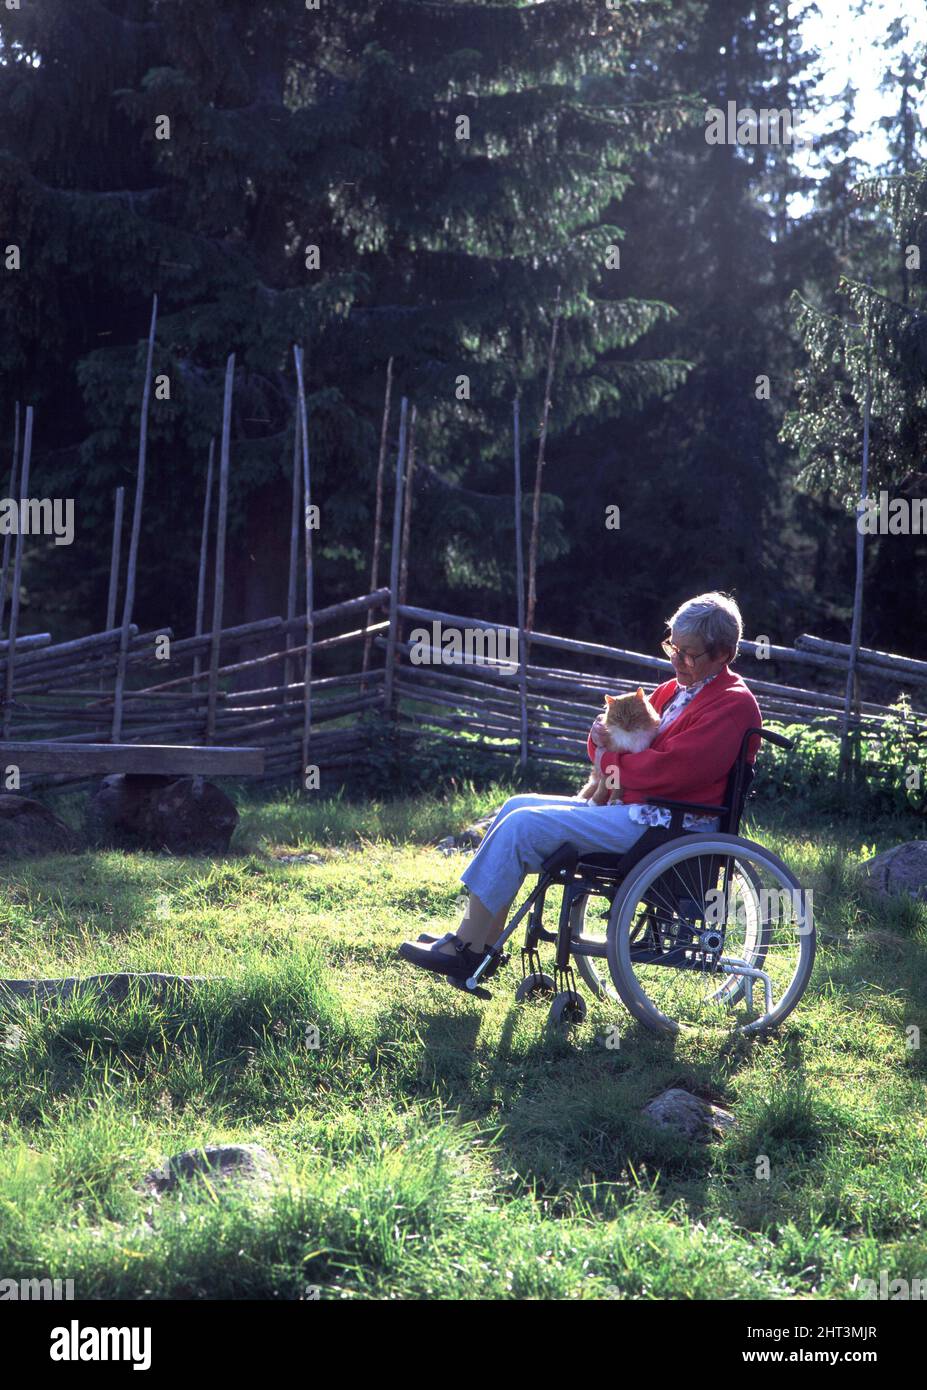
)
(689, 658)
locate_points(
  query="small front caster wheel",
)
(536, 983)
(567, 1009)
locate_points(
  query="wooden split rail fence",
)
(63, 693)
(543, 711)
(534, 706)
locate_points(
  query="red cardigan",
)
(690, 760)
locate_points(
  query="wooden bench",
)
(165, 759)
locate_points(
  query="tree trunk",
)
(256, 579)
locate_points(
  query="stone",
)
(113, 986)
(475, 834)
(468, 839)
(135, 811)
(901, 869)
(885, 943)
(28, 827)
(114, 812)
(250, 1162)
(689, 1116)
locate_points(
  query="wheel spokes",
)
(717, 938)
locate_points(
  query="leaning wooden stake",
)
(8, 538)
(219, 582)
(378, 514)
(852, 690)
(307, 532)
(116, 731)
(114, 558)
(394, 563)
(17, 576)
(204, 550)
(294, 557)
(115, 555)
(407, 514)
(520, 585)
(536, 509)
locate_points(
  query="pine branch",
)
(494, 497)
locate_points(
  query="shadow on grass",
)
(566, 1110)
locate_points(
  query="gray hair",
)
(712, 618)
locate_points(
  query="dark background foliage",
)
(336, 128)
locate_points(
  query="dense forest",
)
(440, 184)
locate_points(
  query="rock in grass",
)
(885, 943)
(901, 869)
(28, 827)
(248, 1162)
(135, 811)
(113, 987)
(471, 838)
(688, 1115)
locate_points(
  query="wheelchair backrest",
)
(735, 795)
(691, 879)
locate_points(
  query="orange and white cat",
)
(631, 724)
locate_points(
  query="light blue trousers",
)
(528, 828)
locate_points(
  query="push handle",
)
(778, 739)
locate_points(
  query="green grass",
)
(434, 1146)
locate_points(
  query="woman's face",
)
(693, 662)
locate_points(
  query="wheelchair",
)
(701, 929)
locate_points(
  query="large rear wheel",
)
(710, 931)
(589, 928)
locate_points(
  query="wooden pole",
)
(407, 514)
(219, 581)
(378, 514)
(116, 731)
(17, 576)
(204, 550)
(520, 587)
(852, 684)
(885, 663)
(394, 563)
(307, 530)
(8, 538)
(114, 557)
(536, 509)
(294, 556)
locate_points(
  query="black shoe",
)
(460, 965)
(491, 968)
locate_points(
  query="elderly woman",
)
(704, 713)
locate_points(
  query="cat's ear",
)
(640, 692)
(610, 699)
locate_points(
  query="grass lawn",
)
(433, 1146)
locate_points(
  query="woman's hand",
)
(598, 734)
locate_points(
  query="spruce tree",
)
(704, 482)
(401, 179)
(880, 338)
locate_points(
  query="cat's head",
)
(633, 711)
